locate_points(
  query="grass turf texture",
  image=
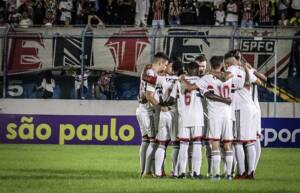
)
(88, 169)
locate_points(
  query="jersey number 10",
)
(224, 91)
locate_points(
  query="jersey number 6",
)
(187, 97)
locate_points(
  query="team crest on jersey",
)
(126, 50)
(185, 44)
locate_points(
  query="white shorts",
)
(245, 125)
(143, 115)
(154, 122)
(167, 129)
(258, 123)
(206, 124)
(190, 133)
(220, 129)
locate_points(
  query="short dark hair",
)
(191, 66)
(233, 53)
(228, 54)
(216, 61)
(201, 58)
(161, 55)
(177, 66)
(237, 54)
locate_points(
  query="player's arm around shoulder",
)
(210, 95)
(260, 77)
(223, 76)
(186, 84)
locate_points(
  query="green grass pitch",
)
(89, 169)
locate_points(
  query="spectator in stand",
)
(295, 5)
(51, 6)
(158, 8)
(295, 21)
(65, 7)
(110, 12)
(265, 12)
(49, 20)
(232, 13)
(247, 14)
(174, 13)
(219, 16)
(25, 21)
(47, 85)
(282, 12)
(217, 3)
(29, 5)
(141, 12)
(81, 82)
(85, 10)
(93, 18)
(127, 12)
(189, 13)
(14, 16)
(38, 12)
(2, 20)
(23, 7)
(104, 87)
(78, 15)
(205, 13)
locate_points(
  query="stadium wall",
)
(36, 121)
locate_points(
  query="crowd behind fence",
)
(246, 13)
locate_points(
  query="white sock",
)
(196, 157)
(240, 158)
(143, 149)
(190, 154)
(182, 157)
(155, 146)
(208, 156)
(175, 158)
(163, 164)
(234, 163)
(228, 160)
(258, 152)
(216, 161)
(223, 154)
(149, 157)
(159, 159)
(251, 157)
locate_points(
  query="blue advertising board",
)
(280, 132)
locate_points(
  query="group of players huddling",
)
(187, 106)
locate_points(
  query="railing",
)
(125, 50)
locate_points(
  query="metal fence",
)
(125, 50)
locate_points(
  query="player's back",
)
(243, 93)
(219, 88)
(167, 86)
(190, 105)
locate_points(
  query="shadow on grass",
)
(25, 174)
